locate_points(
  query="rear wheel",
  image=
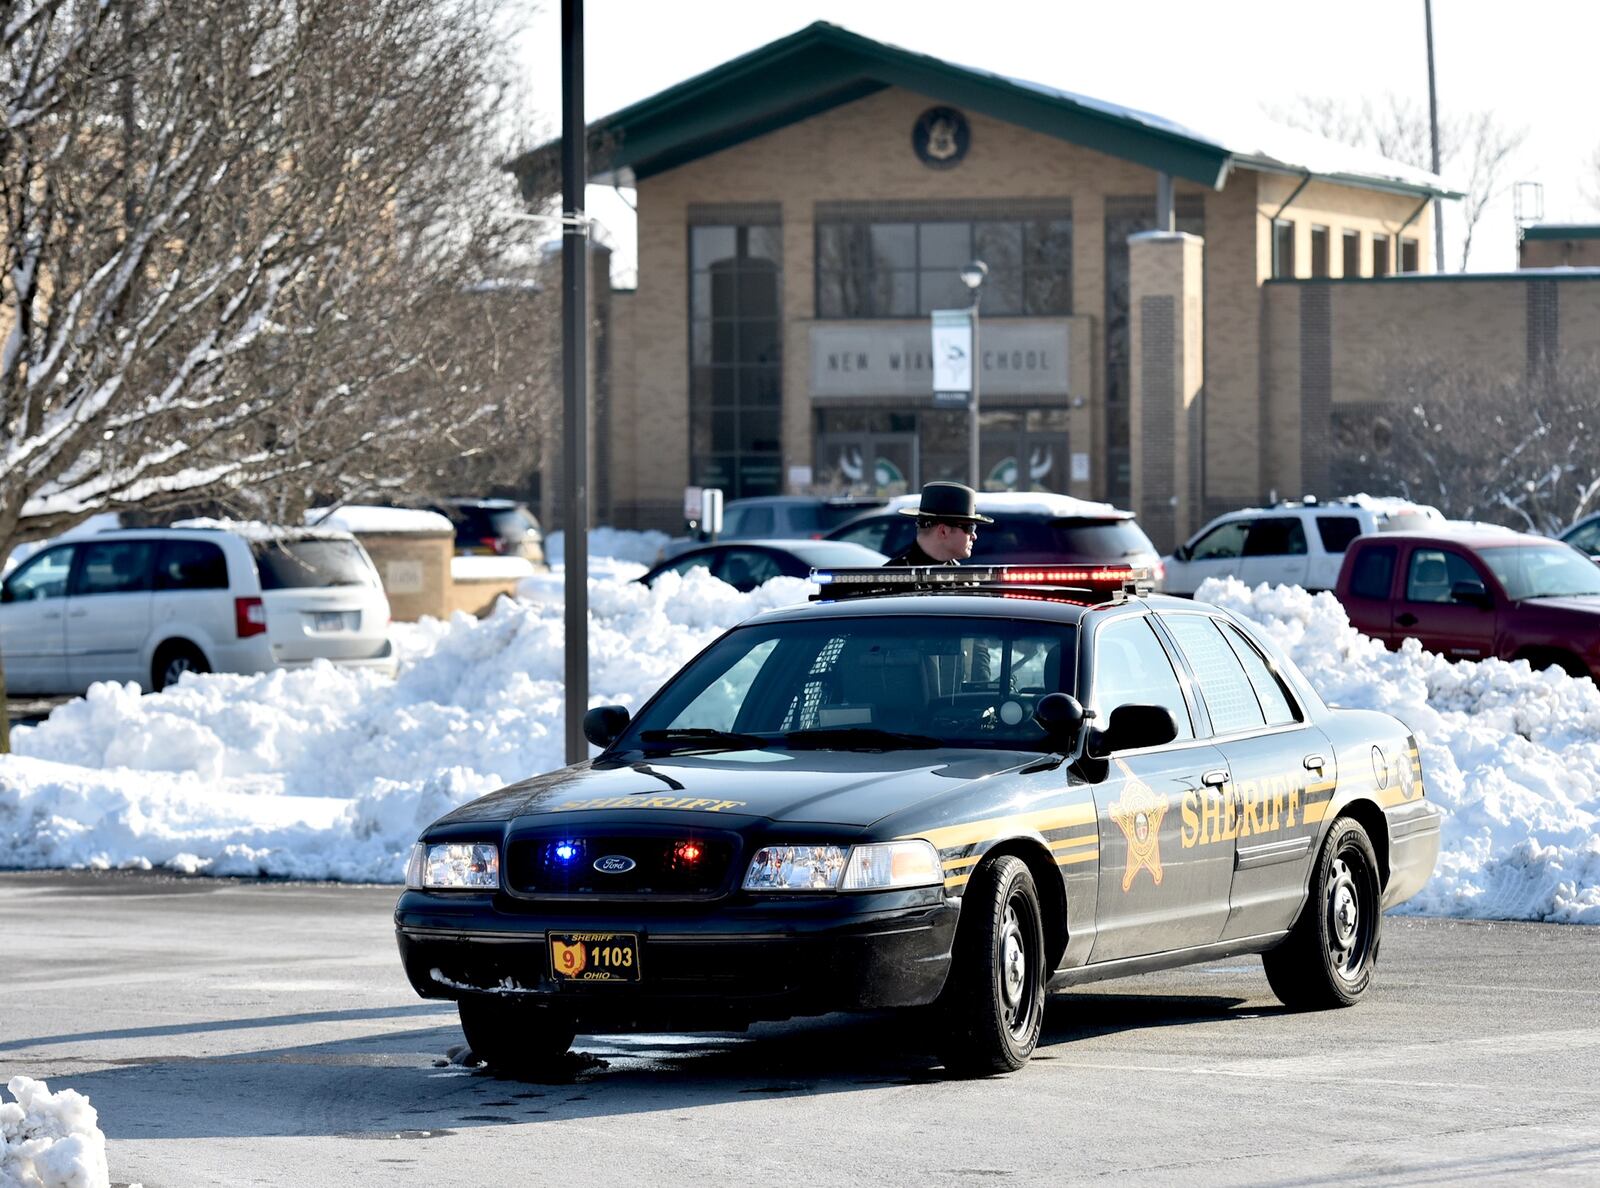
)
(993, 1003)
(174, 659)
(514, 1039)
(1328, 959)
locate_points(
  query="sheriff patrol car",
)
(954, 788)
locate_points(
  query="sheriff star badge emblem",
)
(1138, 814)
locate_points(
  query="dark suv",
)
(494, 527)
(1028, 529)
(1473, 593)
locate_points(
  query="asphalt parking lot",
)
(240, 1033)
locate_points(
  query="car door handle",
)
(77, 614)
(1314, 762)
(1406, 620)
(1215, 778)
(51, 615)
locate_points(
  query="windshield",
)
(308, 564)
(1543, 571)
(863, 683)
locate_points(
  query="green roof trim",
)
(823, 66)
(1562, 231)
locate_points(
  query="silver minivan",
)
(149, 604)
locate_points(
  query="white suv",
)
(1298, 543)
(149, 604)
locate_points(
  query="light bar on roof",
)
(1100, 578)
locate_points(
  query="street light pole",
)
(575, 380)
(973, 277)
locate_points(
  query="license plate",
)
(591, 957)
(327, 621)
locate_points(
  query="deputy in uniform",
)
(947, 524)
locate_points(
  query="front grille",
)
(663, 865)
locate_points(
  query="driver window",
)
(1222, 543)
(1433, 573)
(1131, 668)
(44, 576)
(746, 569)
(718, 704)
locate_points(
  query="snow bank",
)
(324, 773)
(328, 773)
(1512, 755)
(50, 1140)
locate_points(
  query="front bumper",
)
(722, 966)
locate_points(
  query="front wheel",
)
(512, 1038)
(993, 1003)
(1328, 958)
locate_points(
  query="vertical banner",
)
(952, 356)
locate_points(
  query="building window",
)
(1319, 251)
(906, 269)
(1127, 216)
(1352, 253)
(1282, 248)
(1380, 255)
(1409, 259)
(736, 357)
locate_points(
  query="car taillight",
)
(249, 617)
(1160, 570)
(493, 543)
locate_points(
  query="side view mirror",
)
(1132, 727)
(1471, 593)
(1181, 553)
(604, 724)
(1062, 716)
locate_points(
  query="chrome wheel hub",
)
(1013, 963)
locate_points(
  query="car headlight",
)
(455, 865)
(838, 868)
(893, 864)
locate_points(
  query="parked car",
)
(150, 604)
(494, 528)
(746, 564)
(1298, 543)
(1030, 528)
(1585, 536)
(832, 809)
(777, 517)
(1471, 593)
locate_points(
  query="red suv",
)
(1472, 593)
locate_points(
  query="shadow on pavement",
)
(401, 1084)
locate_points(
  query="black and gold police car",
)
(951, 789)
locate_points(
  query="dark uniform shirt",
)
(915, 556)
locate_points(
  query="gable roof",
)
(824, 66)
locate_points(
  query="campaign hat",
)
(948, 501)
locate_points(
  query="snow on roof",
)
(362, 519)
(257, 530)
(1038, 503)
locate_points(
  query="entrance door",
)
(1023, 461)
(882, 464)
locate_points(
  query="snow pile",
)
(1512, 755)
(50, 1140)
(326, 773)
(489, 569)
(330, 773)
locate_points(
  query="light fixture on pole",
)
(973, 276)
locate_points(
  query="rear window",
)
(311, 564)
(191, 565)
(1374, 573)
(829, 516)
(748, 521)
(1337, 532)
(1075, 539)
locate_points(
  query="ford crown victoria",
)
(952, 789)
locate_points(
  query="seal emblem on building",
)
(941, 137)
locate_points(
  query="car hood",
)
(836, 787)
(1579, 604)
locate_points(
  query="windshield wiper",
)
(857, 738)
(699, 738)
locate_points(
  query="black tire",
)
(172, 660)
(514, 1039)
(992, 1005)
(1328, 958)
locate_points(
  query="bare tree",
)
(1524, 453)
(1474, 146)
(230, 225)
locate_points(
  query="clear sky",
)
(1535, 64)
